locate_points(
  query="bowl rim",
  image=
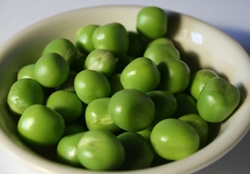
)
(40, 164)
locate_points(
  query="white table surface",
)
(231, 16)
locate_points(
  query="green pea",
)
(112, 37)
(102, 61)
(145, 133)
(51, 70)
(141, 74)
(165, 104)
(100, 150)
(151, 22)
(41, 126)
(26, 71)
(173, 139)
(175, 75)
(67, 149)
(63, 47)
(199, 124)
(68, 85)
(65, 103)
(159, 52)
(122, 62)
(217, 100)
(90, 85)
(83, 38)
(131, 110)
(98, 117)
(115, 83)
(139, 152)
(24, 93)
(198, 80)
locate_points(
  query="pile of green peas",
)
(118, 99)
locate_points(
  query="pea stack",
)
(115, 100)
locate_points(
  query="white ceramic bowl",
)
(201, 45)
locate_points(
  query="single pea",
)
(161, 41)
(173, 139)
(51, 70)
(63, 47)
(41, 126)
(83, 38)
(112, 37)
(102, 61)
(67, 149)
(98, 117)
(165, 105)
(198, 80)
(24, 93)
(151, 22)
(66, 103)
(217, 100)
(131, 110)
(100, 150)
(141, 74)
(199, 124)
(186, 104)
(115, 83)
(157, 53)
(136, 45)
(139, 152)
(26, 71)
(175, 75)
(90, 85)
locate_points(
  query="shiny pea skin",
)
(26, 71)
(217, 100)
(151, 22)
(24, 93)
(100, 150)
(161, 41)
(51, 70)
(90, 85)
(41, 126)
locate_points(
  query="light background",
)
(231, 16)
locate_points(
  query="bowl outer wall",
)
(199, 40)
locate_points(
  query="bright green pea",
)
(161, 41)
(151, 22)
(100, 150)
(63, 47)
(83, 38)
(141, 74)
(102, 61)
(51, 70)
(217, 100)
(159, 52)
(199, 124)
(165, 105)
(186, 104)
(41, 126)
(24, 93)
(98, 117)
(112, 37)
(131, 110)
(174, 139)
(26, 71)
(90, 85)
(198, 80)
(136, 45)
(115, 83)
(67, 149)
(139, 152)
(175, 75)
(66, 103)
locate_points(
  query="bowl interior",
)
(200, 46)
